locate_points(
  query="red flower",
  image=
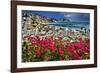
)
(38, 52)
(61, 52)
(61, 58)
(78, 45)
(70, 47)
(74, 56)
(53, 48)
(74, 49)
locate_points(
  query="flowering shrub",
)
(35, 48)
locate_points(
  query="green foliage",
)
(55, 56)
(66, 56)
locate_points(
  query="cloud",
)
(73, 16)
(68, 15)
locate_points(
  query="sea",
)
(72, 24)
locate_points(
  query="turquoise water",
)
(72, 24)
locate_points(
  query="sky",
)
(59, 15)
